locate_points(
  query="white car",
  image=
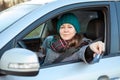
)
(24, 27)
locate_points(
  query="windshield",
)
(11, 15)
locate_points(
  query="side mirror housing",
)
(19, 61)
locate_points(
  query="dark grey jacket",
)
(51, 55)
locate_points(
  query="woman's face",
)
(67, 31)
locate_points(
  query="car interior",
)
(95, 29)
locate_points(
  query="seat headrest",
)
(95, 29)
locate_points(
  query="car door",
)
(107, 67)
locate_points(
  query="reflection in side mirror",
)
(18, 61)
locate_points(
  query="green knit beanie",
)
(71, 19)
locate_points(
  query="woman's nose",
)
(66, 30)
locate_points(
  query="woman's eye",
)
(62, 27)
(69, 26)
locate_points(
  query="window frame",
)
(118, 18)
(60, 11)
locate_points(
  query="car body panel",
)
(76, 71)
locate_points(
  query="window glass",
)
(35, 33)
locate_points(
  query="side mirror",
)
(19, 61)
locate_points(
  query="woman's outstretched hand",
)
(97, 47)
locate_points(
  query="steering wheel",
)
(22, 44)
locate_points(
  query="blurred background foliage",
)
(4, 4)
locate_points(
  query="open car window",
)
(34, 39)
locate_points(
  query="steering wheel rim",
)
(22, 44)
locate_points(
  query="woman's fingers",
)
(97, 47)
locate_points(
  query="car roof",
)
(38, 1)
(61, 1)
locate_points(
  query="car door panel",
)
(76, 71)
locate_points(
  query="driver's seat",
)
(95, 30)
